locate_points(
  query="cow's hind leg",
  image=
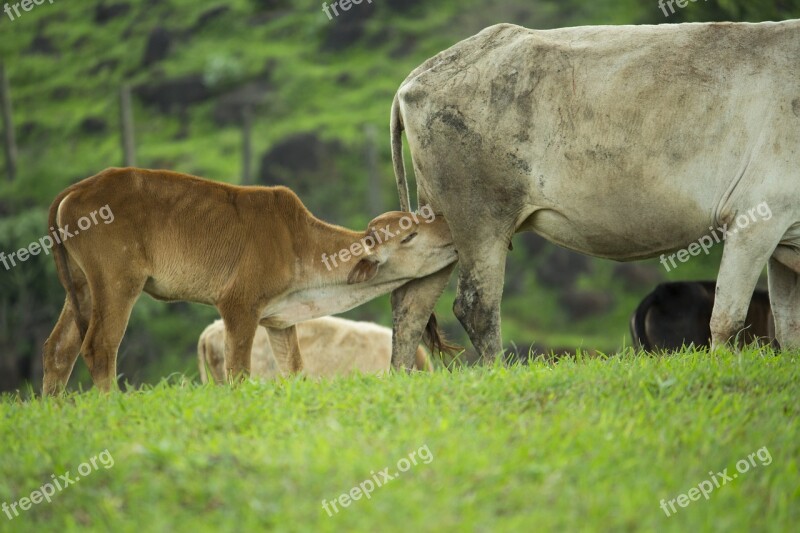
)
(784, 294)
(482, 265)
(412, 305)
(112, 303)
(744, 256)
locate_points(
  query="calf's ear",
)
(364, 270)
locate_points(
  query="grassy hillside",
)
(587, 445)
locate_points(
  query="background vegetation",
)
(318, 94)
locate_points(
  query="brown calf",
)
(255, 253)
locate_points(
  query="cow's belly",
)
(622, 237)
(622, 217)
(176, 288)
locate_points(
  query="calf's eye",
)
(408, 239)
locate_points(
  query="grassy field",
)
(592, 444)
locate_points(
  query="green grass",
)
(587, 444)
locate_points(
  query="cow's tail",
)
(436, 340)
(62, 265)
(638, 330)
(396, 127)
(434, 337)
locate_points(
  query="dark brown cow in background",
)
(679, 313)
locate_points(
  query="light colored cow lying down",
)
(330, 346)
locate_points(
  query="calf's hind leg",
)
(61, 351)
(112, 303)
(64, 343)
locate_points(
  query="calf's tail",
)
(62, 265)
(434, 337)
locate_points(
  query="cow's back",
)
(342, 346)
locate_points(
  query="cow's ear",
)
(365, 270)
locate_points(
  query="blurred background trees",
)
(310, 99)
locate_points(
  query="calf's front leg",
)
(240, 329)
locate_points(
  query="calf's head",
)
(401, 245)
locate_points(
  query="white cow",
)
(622, 142)
(330, 346)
